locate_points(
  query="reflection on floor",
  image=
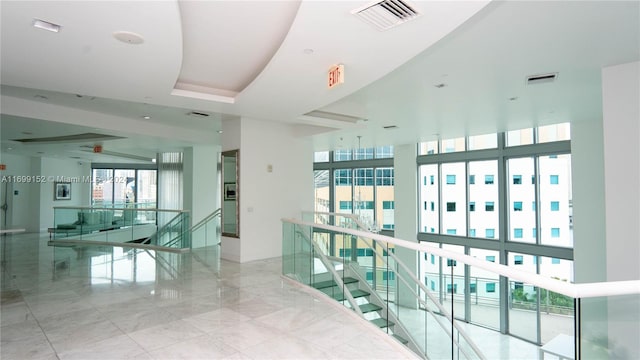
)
(115, 303)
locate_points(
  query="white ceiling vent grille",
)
(386, 14)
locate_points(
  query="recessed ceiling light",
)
(42, 97)
(45, 25)
(146, 117)
(153, 160)
(513, 98)
(9, 148)
(440, 86)
(308, 51)
(219, 131)
(128, 37)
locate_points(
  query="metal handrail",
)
(422, 287)
(329, 266)
(217, 212)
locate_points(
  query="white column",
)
(621, 112)
(406, 214)
(621, 94)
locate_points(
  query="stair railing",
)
(331, 268)
(357, 221)
(433, 299)
(624, 291)
(361, 226)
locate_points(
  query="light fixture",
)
(308, 51)
(513, 98)
(128, 37)
(153, 161)
(146, 117)
(440, 86)
(45, 25)
(219, 131)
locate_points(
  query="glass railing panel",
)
(121, 225)
(609, 327)
(207, 233)
(523, 310)
(297, 254)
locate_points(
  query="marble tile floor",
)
(119, 303)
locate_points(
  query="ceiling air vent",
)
(542, 78)
(386, 14)
(198, 114)
(390, 127)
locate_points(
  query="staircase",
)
(373, 308)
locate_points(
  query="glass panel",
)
(556, 132)
(556, 310)
(384, 152)
(428, 148)
(321, 156)
(452, 145)
(523, 300)
(121, 225)
(102, 188)
(429, 204)
(480, 218)
(385, 204)
(454, 215)
(343, 179)
(363, 205)
(479, 142)
(609, 327)
(124, 185)
(363, 154)
(555, 193)
(484, 292)
(321, 190)
(520, 137)
(342, 155)
(453, 288)
(521, 197)
(296, 253)
(147, 189)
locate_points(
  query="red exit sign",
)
(336, 75)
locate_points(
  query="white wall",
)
(33, 206)
(266, 197)
(201, 181)
(19, 205)
(80, 190)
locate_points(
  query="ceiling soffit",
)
(227, 44)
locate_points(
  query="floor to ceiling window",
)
(362, 183)
(120, 185)
(509, 203)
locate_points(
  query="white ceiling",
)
(247, 58)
